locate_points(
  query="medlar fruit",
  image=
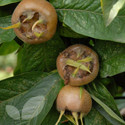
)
(78, 65)
(75, 100)
(34, 21)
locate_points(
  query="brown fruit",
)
(74, 99)
(37, 21)
(78, 65)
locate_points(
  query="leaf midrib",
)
(85, 11)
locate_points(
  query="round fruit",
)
(34, 21)
(74, 99)
(78, 65)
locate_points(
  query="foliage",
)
(111, 9)
(89, 22)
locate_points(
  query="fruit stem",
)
(87, 59)
(61, 114)
(37, 22)
(81, 116)
(75, 115)
(17, 25)
(76, 64)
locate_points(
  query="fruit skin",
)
(69, 99)
(41, 6)
(75, 81)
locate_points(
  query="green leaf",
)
(112, 57)
(101, 95)
(48, 87)
(110, 9)
(112, 87)
(85, 17)
(95, 118)
(16, 85)
(99, 91)
(6, 2)
(41, 57)
(107, 109)
(106, 115)
(6, 35)
(8, 47)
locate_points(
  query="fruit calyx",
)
(78, 65)
(31, 24)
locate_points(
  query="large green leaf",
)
(8, 47)
(110, 84)
(99, 90)
(108, 110)
(101, 95)
(95, 118)
(33, 104)
(85, 17)
(41, 57)
(110, 9)
(106, 115)
(6, 35)
(16, 85)
(6, 2)
(112, 57)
